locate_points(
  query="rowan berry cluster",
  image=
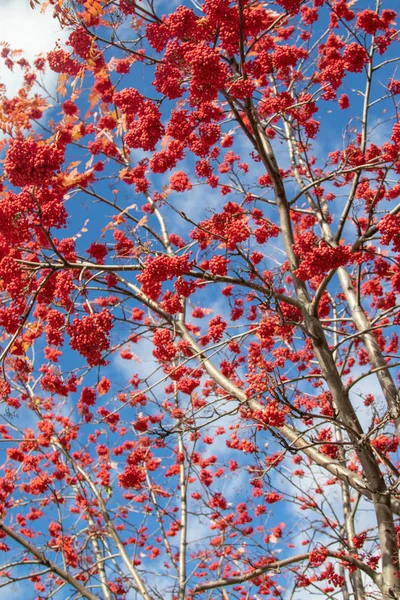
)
(88, 397)
(218, 265)
(194, 57)
(216, 328)
(97, 252)
(332, 577)
(171, 303)
(127, 7)
(12, 278)
(344, 102)
(355, 57)
(385, 443)
(330, 449)
(389, 227)
(179, 182)
(331, 65)
(103, 86)
(180, 125)
(124, 245)
(167, 159)
(29, 162)
(359, 540)
(52, 212)
(265, 231)
(187, 385)
(272, 497)
(168, 79)
(160, 269)
(137, 176)
(209, 73)
(65, 543)
(395, 137)
(200, 144)
(231, 225)
(129, 100)
(371, 22)
(147, 130)
(165, 349)
(322, 259)
(318, 556)
(10, 318)
(89, 336)
(394, 86)
(81, 42)
(272, 415)
(55, 324)
(285, 57)
(70, 108)
(185, 288)
(61, 62)
(245, 445)
(176, 240)
(138, 461)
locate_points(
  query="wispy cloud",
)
(28, 30)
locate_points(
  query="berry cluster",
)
(89, 336)
(129, 100)
(389, 227)
(318, 556)
(61, 62)
(272, 497)
(165, 349)
(147, 130)
(179, 182)
(160, 269)
(55, 324)
(322, 259)
(272, 415)
(218, 265)
(231, 226)
(371, 22)
(330, 449)
(31, 163)
(355, 58)
(81, 42)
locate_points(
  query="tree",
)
(199, 278)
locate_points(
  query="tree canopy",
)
(200, 294)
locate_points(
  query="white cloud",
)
(28, 30)
(144, 364)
